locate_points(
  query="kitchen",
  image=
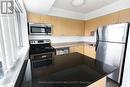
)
(59, 31)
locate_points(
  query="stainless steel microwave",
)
(40, 29)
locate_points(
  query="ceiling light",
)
(77, 2)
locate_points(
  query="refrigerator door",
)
(112, 54)
(113, 33)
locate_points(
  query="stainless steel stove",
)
(41, 53)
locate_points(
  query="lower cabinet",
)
(77, 48)
(89, 51)
(99, 83)
(84, 49)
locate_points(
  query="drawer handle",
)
(43, 56)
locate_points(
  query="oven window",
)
(37, 30)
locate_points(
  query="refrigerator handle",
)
(97, 40)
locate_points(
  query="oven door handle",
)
(44, 56)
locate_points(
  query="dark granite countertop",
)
(70, 70)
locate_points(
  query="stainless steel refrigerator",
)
(111, 46)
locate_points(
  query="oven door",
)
(41, 60)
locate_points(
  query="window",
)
(18, 29)
(1, 52)
(0, 45)
(1, 68)
(10, 38)
(0, 55)
(14, 43)
(0, 41)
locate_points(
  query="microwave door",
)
(40, 29)
(37, 30)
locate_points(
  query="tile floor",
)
(111, 83)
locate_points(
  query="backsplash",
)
(89, 39)
(63, 39)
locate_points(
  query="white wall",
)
(89, 39)
(63, 39)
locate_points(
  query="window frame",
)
(18, 28)
(9, 55)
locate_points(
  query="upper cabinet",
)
(108, 19)
(92, 25)
(67, 27)
(56, 26)
(117, 17)
(72, 27)
(34, 18)
(89, 30)
(124, 16)
(61, 26)
(46, 19)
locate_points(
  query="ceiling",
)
(63, 8)
(90, 5)
(38, 6)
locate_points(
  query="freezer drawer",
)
(113, 33)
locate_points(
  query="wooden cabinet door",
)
(108, 19)
(93, 24)
(71, 27)
(89, 30)
(72, 49)
(56, 26)
(46, 19)
(78, 27)
(124, 16)
(67, 27)
(77, 48)
(89, 51)
(99, 83)
(34, 18)
(90, 26)
(59, 26)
